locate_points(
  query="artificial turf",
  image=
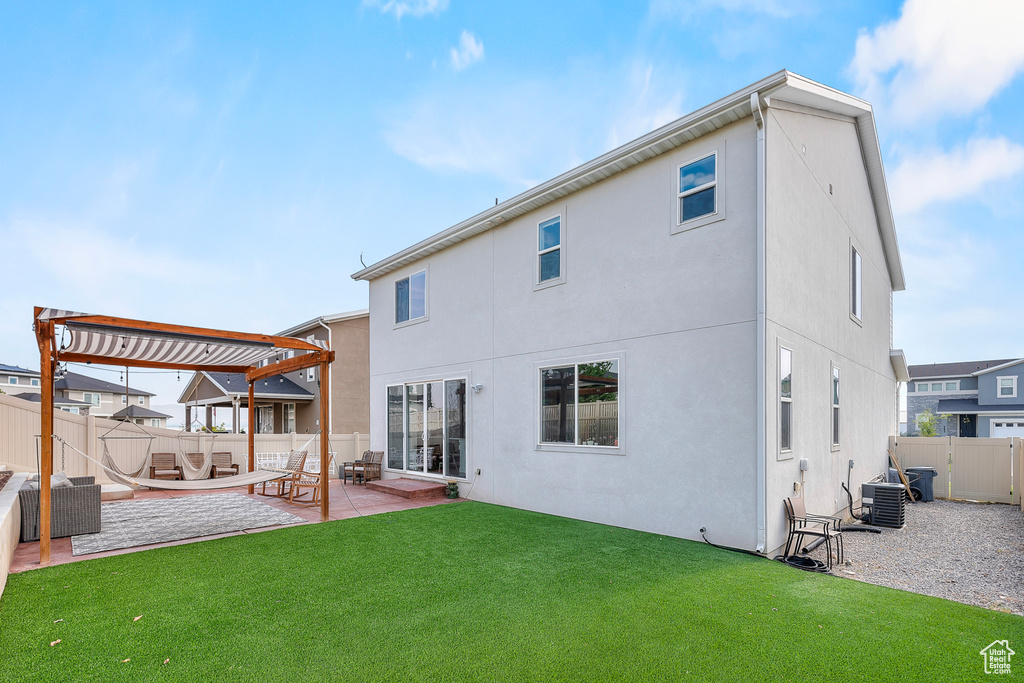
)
(475, 592)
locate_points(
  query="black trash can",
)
(921, 478)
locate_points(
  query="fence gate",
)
(969, 468)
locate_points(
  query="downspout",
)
(330, 345)
(762, 445)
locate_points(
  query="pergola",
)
(107, 340)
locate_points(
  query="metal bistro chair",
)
(819, 526)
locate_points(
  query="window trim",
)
(856, 285)
(455, 377)
(537, 282)
(999, 386)
(677, 226)
(785, 453)
(538, 404)
(426, 298)
(285, 407)
(86, 399)
(835, 393)
(310, 374)
(33, 382)
(12, 380)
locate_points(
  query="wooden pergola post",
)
(325, 440)
(252, 433)
(44, 335)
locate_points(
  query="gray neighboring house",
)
(17, 380)
(977, 398)
(107, 399)
(277, 398)
(676, 335)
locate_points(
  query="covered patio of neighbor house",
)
(276, 401)
(67, 336)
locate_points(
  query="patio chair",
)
(222, 466)
(349, 469)
(296, 459)
(802, 524)
(165, 466)
(371, 469)
(304, 480)
(196, 459)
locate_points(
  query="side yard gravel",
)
(968, 552)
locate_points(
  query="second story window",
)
(411, 297)
(1007, 387)
(698, 181)
(549, 250)
(94, 399)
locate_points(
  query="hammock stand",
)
(108, 340)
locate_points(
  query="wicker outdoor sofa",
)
(73, 510)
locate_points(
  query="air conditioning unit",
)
(885, 503)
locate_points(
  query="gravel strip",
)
(969, 552)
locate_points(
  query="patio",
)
(345, 502)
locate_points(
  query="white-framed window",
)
(698, 188)
(952, 386)
(310, 374)
(785, 399)
(411, 297)
(1007, 386)
(154, 422)
(124, 400)
(856, 284)
(12, 380)
(289, 418)
(34, 382)
(94, 399)
(835, 406)
(579, 404)
(549, 250)
(142, 400)
(70, 409)
(942, 387)
(427, 427)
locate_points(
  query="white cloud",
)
(529, 131)
(414, 8)
(469, 51)
(773, 8)
(940, 57)
(941, 176)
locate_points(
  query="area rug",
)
(144, 522)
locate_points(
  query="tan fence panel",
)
(926, 451)
(981, 469)
(1018, 472)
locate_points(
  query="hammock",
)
(245, 479)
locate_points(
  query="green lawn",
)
(476, 592)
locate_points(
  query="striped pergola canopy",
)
(120, 341)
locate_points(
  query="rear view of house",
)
(676, 335)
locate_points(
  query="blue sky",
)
(226, 165)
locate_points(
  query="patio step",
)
(408, 488)
(116, 492)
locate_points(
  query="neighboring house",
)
(675, 336)
(105, 399)
(291, 402)
(976, 398)
(15, 380)
(277, 401)
(68, 405)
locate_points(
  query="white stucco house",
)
(658, 338)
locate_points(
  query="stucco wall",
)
(677, 310)
(819, 205)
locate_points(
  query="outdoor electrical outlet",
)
(796, 486)
(851, 464)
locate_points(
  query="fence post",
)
(90, 447)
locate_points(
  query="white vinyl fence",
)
(129, 444)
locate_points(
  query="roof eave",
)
(997, 367)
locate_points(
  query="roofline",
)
(996, 367)
(237, 394)
(729, 109)
(333, 318)
(24, 372)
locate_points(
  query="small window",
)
(922, 386)
(855, 284)
(411, 297)
(936, 386)
(698, 183)
(93, 399)
(549, 250)
(142, 400)
(580, 404)
(952, 386)
(289, 418)
(34, 382)
(72, 410)
(12, 380)
(1007, 387)
(124, 400)
(310, 374)
(785, 399)
(835, 406)
(154, 422)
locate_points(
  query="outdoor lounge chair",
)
(371, 469)
(74, 509)
(222, 466)
(164, 466)
(802, 524)
(348, 469)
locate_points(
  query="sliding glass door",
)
(427, 427)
